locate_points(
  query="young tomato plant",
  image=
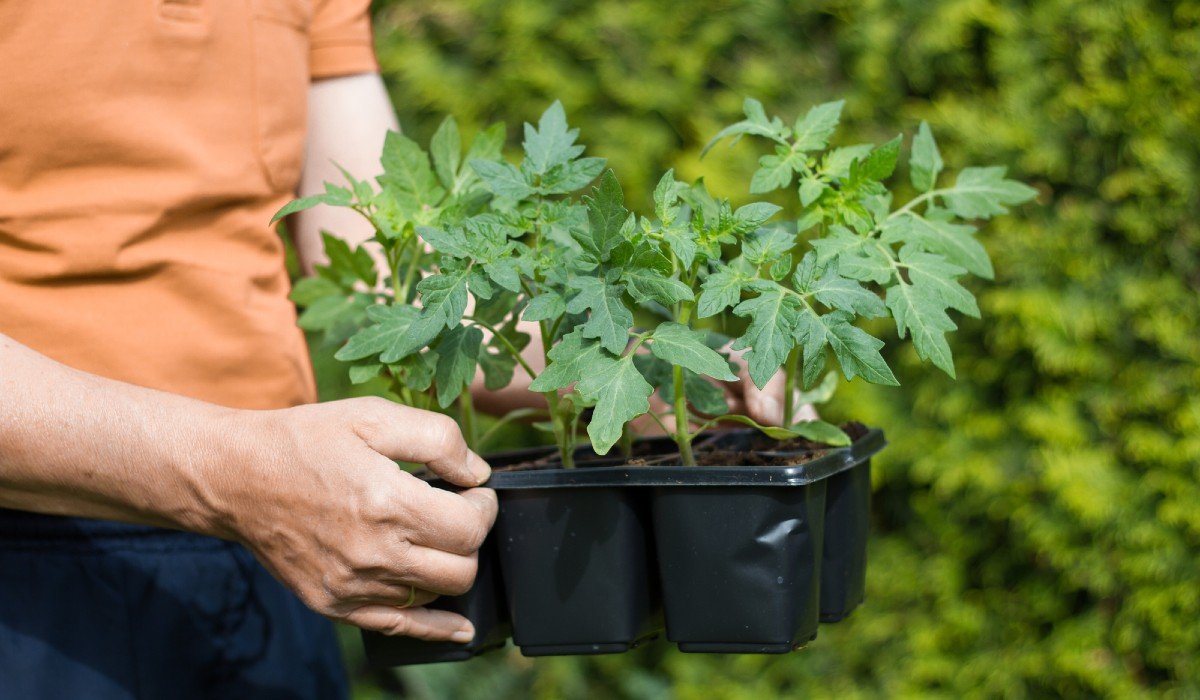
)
(870, 258)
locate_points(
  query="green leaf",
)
(361, 374)
(334, 196)
(841, 242)
(446, 148)
(571, 176)
(857, 351)
(751, 216)
(392, 335)
(458, 354)
(924, 316)
(880, 162)
(755, 123)
(772, 431)
(719, 291)
(955, 241)
(980, 193)
(545, 307)
(684, 347)
(666, 198)
(307, 290)
(835, 291)
(774, 172)
(502, 179)
(407, 174)
(772, 321)
(648, 277)
(325, 312)
(551, 143)
(620, 393)
(822, 393)
(610, 320)
(934, 277)
(836, 163)
(822, 432)
(568, 359)
(812, 132)
(811, 190)
(444, 297)
(346, 264)
(767, 246)
(811, 334)
(450, 241)
(606, 217)
(925, 162)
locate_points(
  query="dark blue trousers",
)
(100, 610)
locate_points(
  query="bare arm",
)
(312, 490)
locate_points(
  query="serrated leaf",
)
(446, 149)
(934, 277)
(416, 370)
(620, 394)
(666, 198)
(444, 297)
(450, 241)
(881, 161)
(684, 347)
(458, 355)
(551, 143)
(772, 317)
(838, 243)
(325, 312)
(571, 176)
(835, 291)
(720, 290)
(755, 123)
(545, 307)
(647, 284)
(925, 163)
(812, 131)
(767, 246)
(607, 217)
(772, 431)
(391, 336)
(955, 241)
(924, 316)
(568, 360)
(754, 215)
(857, 351)
(837, 162)
(980, 193)
(811, 190)
(774, 172)
(609, 320)
(502, 179)
(334, 196)
(812, 337)
(407, 174)
(682, 240)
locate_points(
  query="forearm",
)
(348, 120)
(72, 443)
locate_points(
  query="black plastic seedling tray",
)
(736, 559)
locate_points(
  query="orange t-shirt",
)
(144, 147)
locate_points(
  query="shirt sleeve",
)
(340, 39)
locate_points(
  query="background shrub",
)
(1037, 522)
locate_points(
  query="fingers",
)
(376, 592)
(455, 523)
(421, 623)
(409, 434)
(439, 572)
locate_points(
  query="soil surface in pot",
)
(747, 448)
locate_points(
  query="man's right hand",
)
(319, 501)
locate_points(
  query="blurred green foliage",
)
(1037, 524)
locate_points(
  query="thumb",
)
(412, 435)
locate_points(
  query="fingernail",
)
(478, 468)
(464, 635)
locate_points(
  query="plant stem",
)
(466, 416)
(682, 438)
(790, 369)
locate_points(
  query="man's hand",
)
(318, 500)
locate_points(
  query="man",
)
(159, 453)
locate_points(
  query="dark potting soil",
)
(750, 449)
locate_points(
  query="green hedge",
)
(1037, 523)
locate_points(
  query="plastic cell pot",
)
(844, 561)
(577, 569)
